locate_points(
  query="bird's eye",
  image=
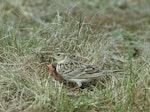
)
(58, 54)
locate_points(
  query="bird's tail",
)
(99, 74)
(109, 71)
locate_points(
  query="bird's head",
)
(61, 57)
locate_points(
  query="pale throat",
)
(66, 59)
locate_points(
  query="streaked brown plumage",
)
(74, 71)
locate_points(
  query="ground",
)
(104, 33)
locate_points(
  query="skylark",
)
(74, 71)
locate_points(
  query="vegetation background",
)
(110, 34)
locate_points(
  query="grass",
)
(107, 34)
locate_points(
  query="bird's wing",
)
(88, 72)
(82, 71)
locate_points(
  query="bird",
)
(75, 71)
